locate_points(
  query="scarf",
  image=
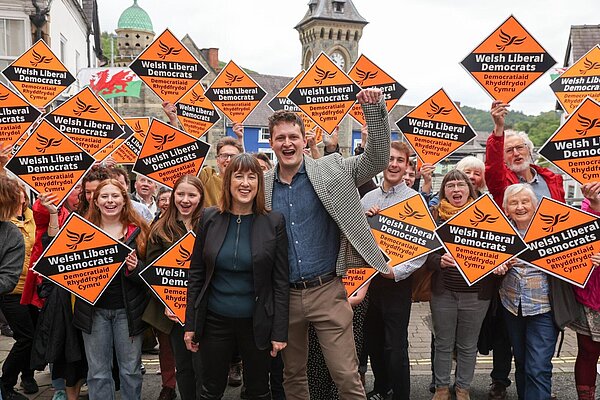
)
(447, 210)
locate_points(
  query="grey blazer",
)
(335, 180)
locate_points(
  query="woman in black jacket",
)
(238, 288)
(181, 216)
(116, 318)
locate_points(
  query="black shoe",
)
(11, 394)
(167, 393)
(29, 385)
(497, 391)
(143, 369)
(375, 395)
(243, 394)
(235, 375)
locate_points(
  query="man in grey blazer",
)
(328, 233)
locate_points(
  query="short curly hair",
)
(282, 116)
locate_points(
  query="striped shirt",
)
(527, 287)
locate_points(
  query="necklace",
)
(237, 241)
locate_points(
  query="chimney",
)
(212, 57)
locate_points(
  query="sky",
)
(420, 43)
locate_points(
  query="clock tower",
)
(333, 27)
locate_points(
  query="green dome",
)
(135, 18)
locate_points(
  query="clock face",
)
(338, 59)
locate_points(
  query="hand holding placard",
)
(369, 96)
(499, 111)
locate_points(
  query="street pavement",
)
(419, 348)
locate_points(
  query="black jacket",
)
(270, 271)
(135, 296)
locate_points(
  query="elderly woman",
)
(238, 287)
(534, 304)
(457, 309)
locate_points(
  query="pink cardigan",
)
(590, 295)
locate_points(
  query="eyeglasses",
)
(225, 156)
(520, 148)
(458, 185)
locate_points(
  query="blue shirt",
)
(538, 184)
(313, 236)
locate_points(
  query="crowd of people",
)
(265, 291)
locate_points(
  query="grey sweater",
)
(12, 256)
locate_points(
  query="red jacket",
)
(32, 280)
(498, 177)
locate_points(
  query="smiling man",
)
(509, 160)
(328, 233)
(386, 323)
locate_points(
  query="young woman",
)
(115, 321)
(457, 309)
(238, 287)
(179, 217)
(21, 318)
(12, 254)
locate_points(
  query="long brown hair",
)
(243, 162)
(10, 203)
(167, 228)
(128, 215)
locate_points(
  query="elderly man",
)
(509, 160)
(328, 233)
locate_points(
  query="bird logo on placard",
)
(508, 40)
(365, 75)
(410, 213)
(437, 110)
(324, 75)
(3, 97)
(39, 59)
(45, 143)
(185, 256)
(84, 108)
(78, 238)
(587, 124)
(162, 139)
(553, 220)
(137, 129)
(166, 50)
(589, 65)
(196, 97)
(231, 78)
(481, 217)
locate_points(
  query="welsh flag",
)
(111, 82)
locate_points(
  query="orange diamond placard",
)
(368, 75)
(50, 161)
(82, 259)
(39, 75)
(575, 146)
(195, 112)
(235, 93)
(128, 151)
(110, 148)
(167, 276)
(85, 120)
(561, 240)
(405, 230)
(436, 128)
(480, 238)
(356, 278)
(579, 81)
(16, 116)
(325, 93)
(168, 67)
(169, 153)
(508, 61)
